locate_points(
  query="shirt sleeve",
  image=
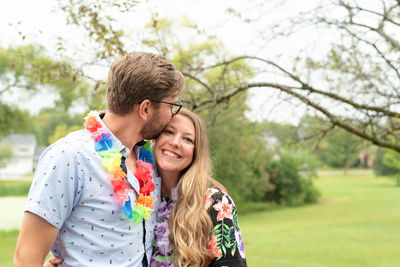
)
(226, 240)
(56, 185)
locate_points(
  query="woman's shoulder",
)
(216, 191)
(217, 194)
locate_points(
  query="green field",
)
(14, 188)
(8, 239)
(356, 223)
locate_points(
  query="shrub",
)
(381, 167)
(289, 187)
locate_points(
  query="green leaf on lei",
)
(160, 258)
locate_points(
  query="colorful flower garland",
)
(111, 160)
(161, 249)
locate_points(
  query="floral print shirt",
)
(225, 242)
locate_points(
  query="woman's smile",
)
(171, 154)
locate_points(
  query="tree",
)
(5, 154)
(354, 84)
(50, 124)
(333, 146)
(280, 134)
(341, 149)
(239, 153)
(391, 159)
(28, 69)
(381, 166)
(12, 120)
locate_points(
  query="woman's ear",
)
(145, 110)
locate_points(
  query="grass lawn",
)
(8, 240)
(14, 187)
(356, 223)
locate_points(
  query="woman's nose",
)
(174, 140)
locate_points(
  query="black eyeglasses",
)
(175, 107)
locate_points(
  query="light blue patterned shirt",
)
(72, 191)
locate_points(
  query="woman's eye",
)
(168, 132)
(188, 140)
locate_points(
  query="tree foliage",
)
(333, 146)
(5, 154)
(13, 120)
(51, 124)
(29, 70)
(354, 84)
(341, 149)
(239, 153)
(381, 166)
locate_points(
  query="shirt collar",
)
(116, 143)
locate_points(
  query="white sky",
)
(42, 22)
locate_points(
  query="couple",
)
(96, 197)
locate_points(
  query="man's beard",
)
(153, 128)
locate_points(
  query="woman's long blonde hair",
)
(189, 223)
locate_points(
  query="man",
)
(71, 207)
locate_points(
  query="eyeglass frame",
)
(176, 104)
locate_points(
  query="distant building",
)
(23, 155)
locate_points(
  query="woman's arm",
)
(226, 241)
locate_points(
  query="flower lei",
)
(111, 160)
(162, 255)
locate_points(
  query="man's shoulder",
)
(74, 142)
(77, 139)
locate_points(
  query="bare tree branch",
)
(337, 121)
(309, 88)
(205, 85)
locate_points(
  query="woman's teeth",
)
(170, 154)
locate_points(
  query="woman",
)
(197, 220)
(202, 205)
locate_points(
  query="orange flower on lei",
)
(146, 201)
